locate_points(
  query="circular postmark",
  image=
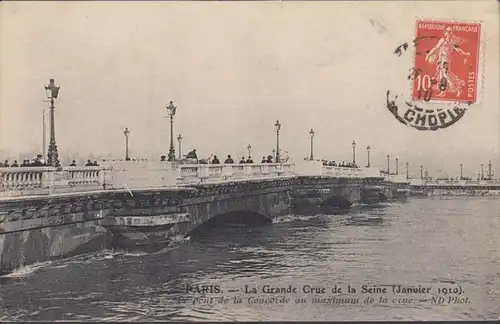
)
(444, 77)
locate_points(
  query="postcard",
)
(249, 160)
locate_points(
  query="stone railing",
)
(397, 178)
(431, 183)
(22, 181)
(140, 174)
(206, 173)
(13, 179)
(316, 168)
(128, 175)
(342, 172)
(92, 176)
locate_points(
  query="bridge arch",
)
(382, 197)
(336, 202)
(234, 217)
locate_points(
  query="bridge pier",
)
(38, 230)
(315, 194)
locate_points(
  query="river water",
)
(438, 243)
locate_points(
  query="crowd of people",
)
(35, 162)
(229, 160)
(38, 161)
(213, 159)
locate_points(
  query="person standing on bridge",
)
(249, 160)
(229, 160)
(215, 160)
(263, 160)
(242, 160)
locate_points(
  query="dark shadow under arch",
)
(336, 202)
(234, 218)
(382, 197)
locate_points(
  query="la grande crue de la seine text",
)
(349, 289)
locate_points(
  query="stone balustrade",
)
(316, 168)
(423, 182)
(92, 176)
(28, 181)
(342, 172)
(23, 181)
(203, 173)
(20, 179)
(397, 178)
(140, 174)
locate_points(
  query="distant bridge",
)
(428, 187)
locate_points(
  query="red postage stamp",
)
(446, 61)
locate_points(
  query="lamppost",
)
(388, 164)
(397, 166)
(407, 170)
(489, 169)
(171, 113)
(482, 174)
(311, 133)
(421, 172)
(278, 127)
(249, 148)
(461, 171)
(353, 153)
(126, 132)
(179, 139)
(368, 152)
(52, 92)
(44, 132)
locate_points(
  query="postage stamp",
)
(445, 75)
(446, 61)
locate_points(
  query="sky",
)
(233, 69)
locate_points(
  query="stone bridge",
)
(48, 213)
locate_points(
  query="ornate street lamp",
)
(311, 134)
(52, 92)
(368, 152)
(397, 166)
(461, 172)
(421, 172)
(179, 139)
(278, 127)
(249, 148)
(353, 153)
(44, 132)
(482, 173)
(126, 132)
(489, 170)
(171, 113)
(388, 164)
(407, 170)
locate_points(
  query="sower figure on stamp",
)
(446, 79)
